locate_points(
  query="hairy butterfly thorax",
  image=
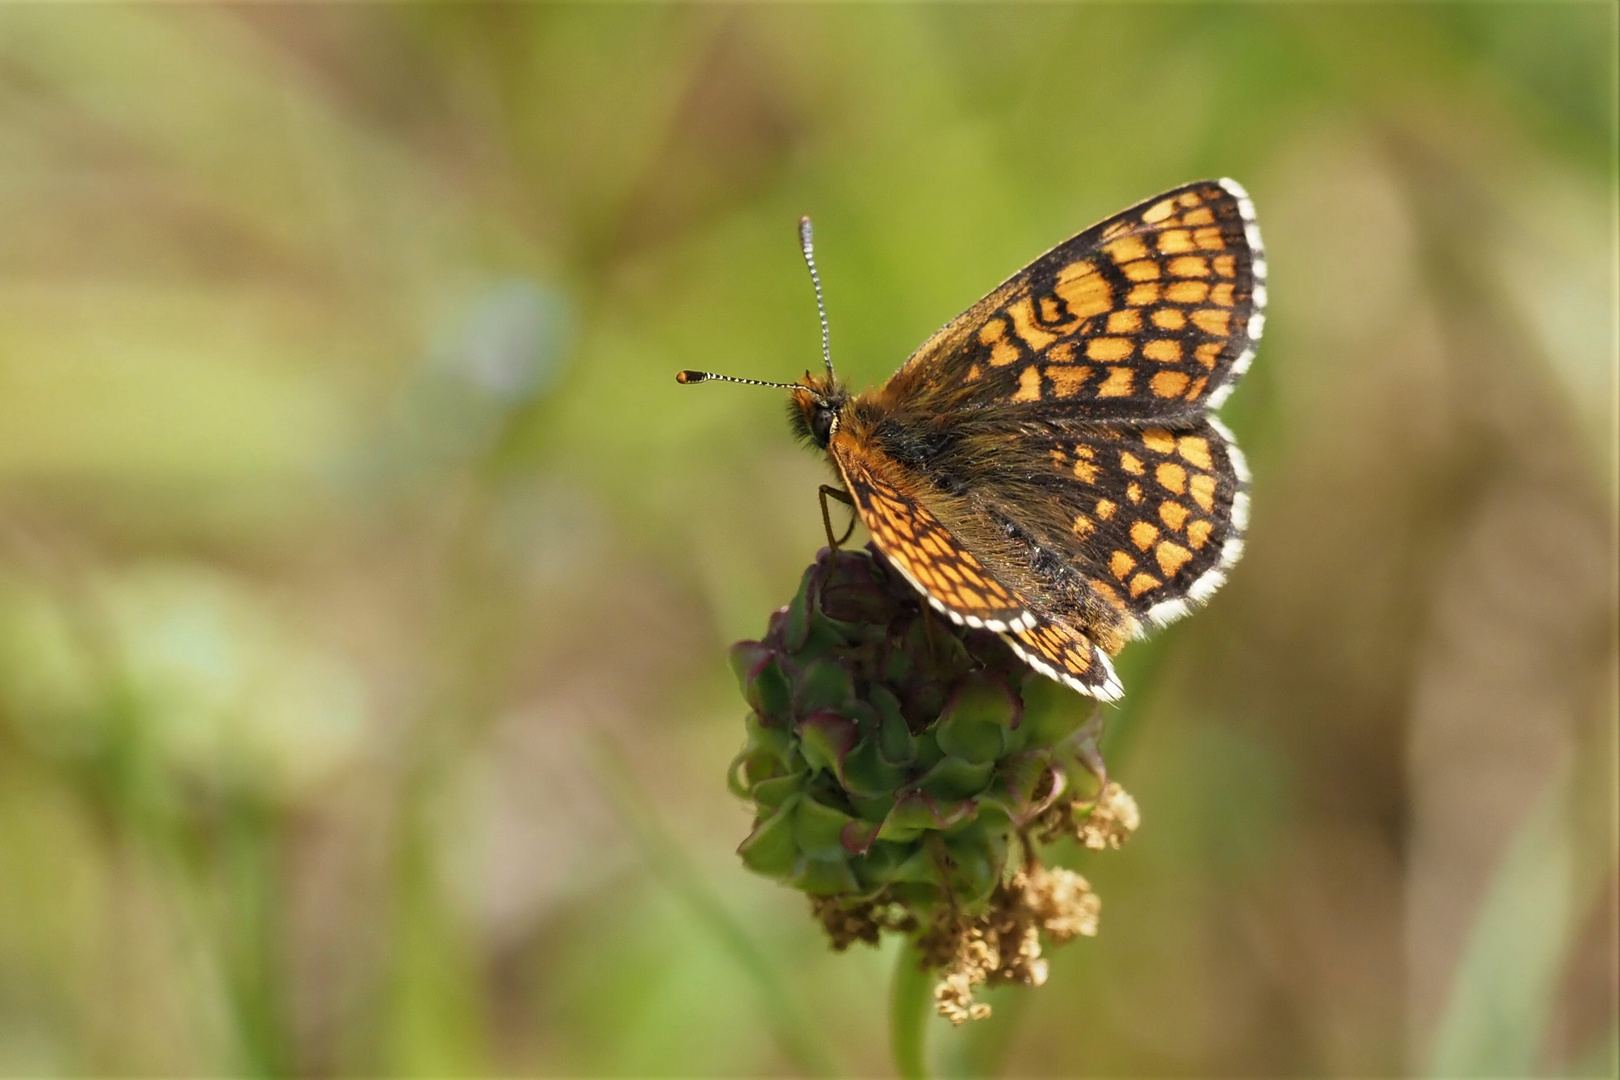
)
(1047, 465)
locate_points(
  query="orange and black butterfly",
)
(1047, 465)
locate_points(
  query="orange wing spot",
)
(1128, 321)
(974, 374)
(951, 572)
(1133, 492)
(1202, 489)
(1202, 216)
(1029, 384)
(1141, 583)
(1173, 514)
(1061, 353)
(1225, 266)
(1159, 211)
(1190, 198)
(1171, 557)
(1121, 564)
(1209, 239)
(1082, 450)
(1158, 440)
(1189, 266)
(994, 334)
(1209, 352)
(1066, 381)
(1195, 389)
(1164, 350)
(932, 545)
(1212, 321)
(1106, 508)
(1187, 292)
(1142, 295)
(1026, 325)
(1169, 318)
(1172, 477)
(1222, 294)
(1109, 348)
(1198, 533)
(1169, 384)
(1175, 242)
(1142, 270)
(1118, 383)
(1131, 463)
(1104, 589)
(1083, 526)
(1085, 290)
(1195, 449)
(1086, 471)
(1053, 312)
(1143, 534)
(1126, 248)
(971, 599)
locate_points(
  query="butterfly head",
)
(814, 408)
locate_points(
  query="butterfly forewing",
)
(1151, 313)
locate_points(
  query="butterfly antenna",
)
(706, 376)
(807, 245)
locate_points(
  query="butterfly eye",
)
(822, 423)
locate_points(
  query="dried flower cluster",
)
(894, 762)
(1003, 945)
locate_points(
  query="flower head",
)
(895, 761)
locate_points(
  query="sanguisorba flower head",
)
(894, 769)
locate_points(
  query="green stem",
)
(909, 1002)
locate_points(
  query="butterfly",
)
(1048, 465)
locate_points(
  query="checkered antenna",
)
(807, 245)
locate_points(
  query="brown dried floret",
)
(1004, 944)
(1101, 823)
(848, 921)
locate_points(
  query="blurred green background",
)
(365, 578)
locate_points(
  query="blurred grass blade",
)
(794, 1033)
(1507, 980)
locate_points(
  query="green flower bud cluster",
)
(892, 755)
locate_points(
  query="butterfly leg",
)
(826, 518)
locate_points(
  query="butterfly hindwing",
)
(1154, 516)
(955, 581)
(1058, 651)
(925, 552)
(1111, 525)
(1154, 312)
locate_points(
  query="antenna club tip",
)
(804, 229)
(684, 377)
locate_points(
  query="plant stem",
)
(908, 1012)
